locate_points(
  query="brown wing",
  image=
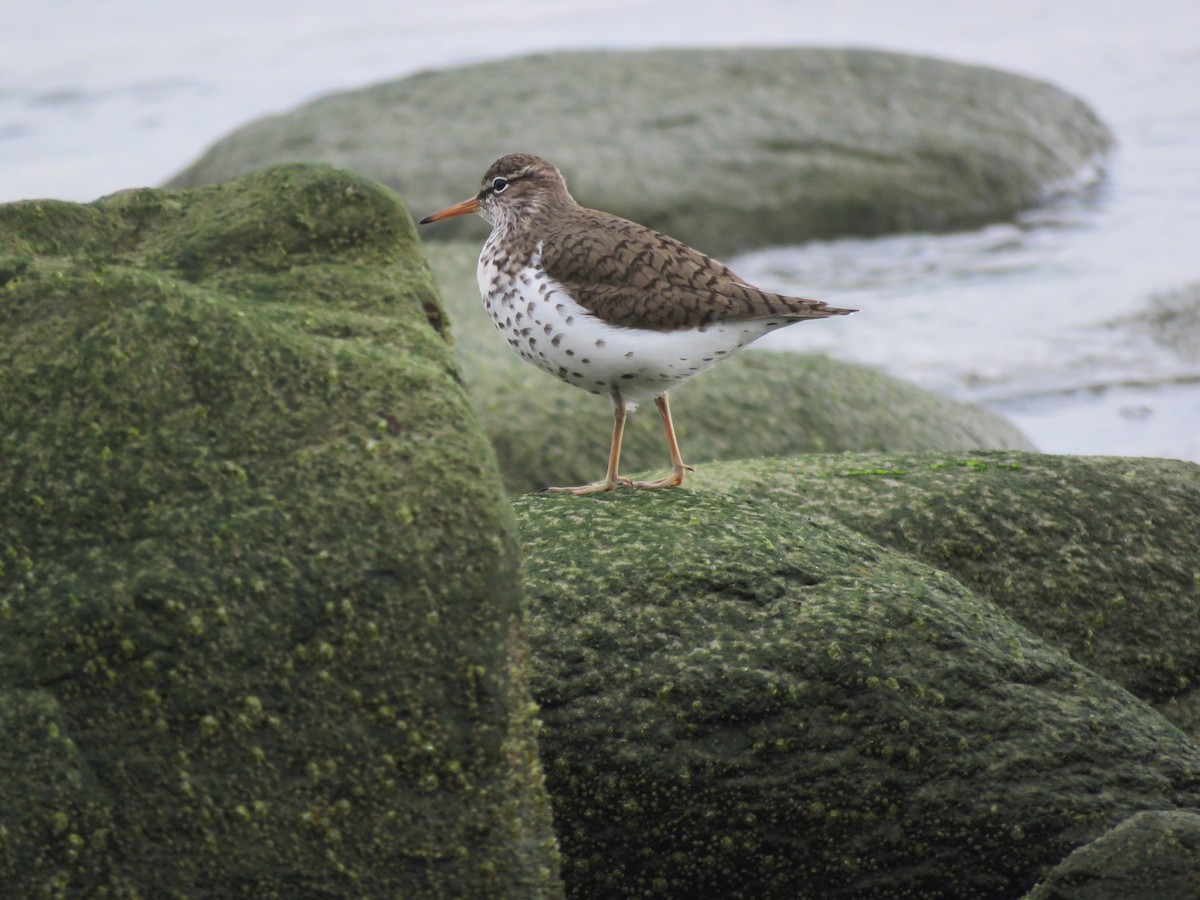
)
(630, 275)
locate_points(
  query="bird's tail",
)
(802, 308)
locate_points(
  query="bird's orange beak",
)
(458, 209)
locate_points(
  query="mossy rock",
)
(742, 701)
(1097, 555)
(723, 148)
(756, 404)
(262, 631)
(1149, 856)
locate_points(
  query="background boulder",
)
(723, 148)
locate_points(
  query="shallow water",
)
(99, 97)
(1035, 319)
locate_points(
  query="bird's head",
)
(513, 188)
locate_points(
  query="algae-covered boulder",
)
(755, 404)
(741, 701)
(723, 148)
(1149, 856)
(1097, 555)
(262, 633)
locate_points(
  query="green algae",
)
(1094, 554)
(255, 559)
(741, 700)
(1150, 855)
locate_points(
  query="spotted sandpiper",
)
(608, 305)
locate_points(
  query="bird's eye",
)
(499, 184)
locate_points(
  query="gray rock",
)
(755, 404)
(740, 701)
(1096, 555)
(1149, 856)
(724, 149)
(262, 634)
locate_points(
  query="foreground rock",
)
(756, 404)
(261, 630)
(1096, 555)
(741, 701)
(724, 149)
(1154, 855)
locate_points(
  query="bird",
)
(608, 305)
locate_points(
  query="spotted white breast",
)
(544, 324)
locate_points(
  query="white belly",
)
(546, 327)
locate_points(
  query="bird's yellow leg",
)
(612, 480)
(678, 466)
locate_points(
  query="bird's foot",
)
(675, 479)
(595, 487)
